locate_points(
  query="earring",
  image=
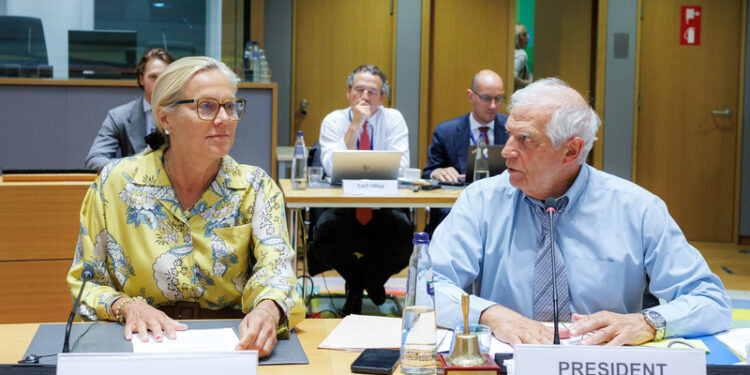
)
(166, 131)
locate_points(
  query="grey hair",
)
(571, 115)
(372, 69)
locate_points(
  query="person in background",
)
(521, 70)
(366, 246)
(609, 236)
(125, 127)
(446, 157)
(183, 231)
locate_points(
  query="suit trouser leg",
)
(389, 248)
(337, 234)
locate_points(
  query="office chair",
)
(23, 50)
(311, 215)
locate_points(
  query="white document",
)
(362, 331)
(192, 340)
(359, 332)
(736, 339)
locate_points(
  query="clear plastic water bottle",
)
(247, 62)
(256, 62)
(265, 72)
(481, 159)
(299, 164)
(418, 325)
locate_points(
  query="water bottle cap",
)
(421, 238)
(299, 133)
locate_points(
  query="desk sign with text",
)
(370, 187)
(601, 360)
(193, 363)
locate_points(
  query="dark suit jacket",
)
(123, 130)
(450, 143)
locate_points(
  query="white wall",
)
(58, 16)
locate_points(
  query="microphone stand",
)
(550, 204)
(86, 275)
(164, 38)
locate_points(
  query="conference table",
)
(15, 338)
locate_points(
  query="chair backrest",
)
(22, 41)
(313, 156)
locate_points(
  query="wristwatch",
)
(657, 322)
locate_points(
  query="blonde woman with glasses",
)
(183, 231)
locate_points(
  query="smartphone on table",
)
(376, 361)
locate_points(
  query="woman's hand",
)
(141, 317)
(258, 328)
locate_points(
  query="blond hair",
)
(171, 83)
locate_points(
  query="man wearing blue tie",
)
(446, 157)
(609, 236)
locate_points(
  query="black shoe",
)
(376, 291)
(353, 304)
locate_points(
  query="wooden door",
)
(465, 36)
(563, 44)
(331, 38)
(684, 153)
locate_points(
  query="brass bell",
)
(466, 345)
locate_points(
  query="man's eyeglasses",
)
(208, 108)
(487, 99)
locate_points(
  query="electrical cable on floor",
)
(335, 310)
(308, 297)
(339, 312)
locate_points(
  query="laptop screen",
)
(495, 158)
(364, 164)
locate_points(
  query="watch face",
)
(656, 319)
(657, 322)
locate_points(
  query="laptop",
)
(365, 164)
(495, 158)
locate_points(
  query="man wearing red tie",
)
(366, 246)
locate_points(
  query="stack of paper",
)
(736, 339)
(359, 332)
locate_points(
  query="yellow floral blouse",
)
(231, 249)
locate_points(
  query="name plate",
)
(601, 360)
(193, 363)
(370, 187)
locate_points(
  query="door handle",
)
(722, 112)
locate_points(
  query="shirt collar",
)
(475, 125)
(146, 106)
(152, 173)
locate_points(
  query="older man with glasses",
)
(451, 139)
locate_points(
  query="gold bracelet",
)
(119, 315)
(275, 321)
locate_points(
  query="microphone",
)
(86, 275)
(550, 205)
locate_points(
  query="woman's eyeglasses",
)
(208, 108)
